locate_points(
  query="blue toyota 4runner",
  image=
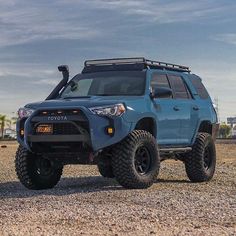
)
(125, 115)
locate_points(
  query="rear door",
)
(186, 107)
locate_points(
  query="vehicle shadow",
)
(69, 185)
(66, 186)
(177, 181)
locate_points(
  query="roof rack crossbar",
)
(137, 60)
(167, 65)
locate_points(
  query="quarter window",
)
(198, 85)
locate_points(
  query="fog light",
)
(22, 132)
(110, 130)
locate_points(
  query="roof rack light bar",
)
(137, 60)
(114, 61)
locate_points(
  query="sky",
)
(37, 36)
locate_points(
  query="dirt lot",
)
(87, 204)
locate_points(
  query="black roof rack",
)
(138, 63)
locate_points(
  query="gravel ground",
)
(83, 203)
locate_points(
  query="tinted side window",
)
(198, 85)
(159, 80)
(178, 87)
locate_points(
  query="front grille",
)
(76, 122)
(60, 129)
(64, 128)
(84, 125)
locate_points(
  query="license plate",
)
(44, 129)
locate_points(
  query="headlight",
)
(112, 110)
(25, 112)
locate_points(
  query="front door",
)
(167, 113)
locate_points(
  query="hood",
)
(92, 101)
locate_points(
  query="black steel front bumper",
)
(58, 138)
(93, 134)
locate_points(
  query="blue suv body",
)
(86, 119)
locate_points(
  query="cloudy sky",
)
(36, 36)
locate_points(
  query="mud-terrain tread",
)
(122, 161)
(104, 165)
(194, 163)
(24, 171)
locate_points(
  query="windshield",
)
(105, 84)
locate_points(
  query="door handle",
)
(176, 108)
(195, 108)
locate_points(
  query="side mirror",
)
(161, 92)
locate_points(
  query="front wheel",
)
(34, 171)
(136, 160)
(104, 164)
(201, 162)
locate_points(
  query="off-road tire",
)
(198, 168)
(124, 160)
(104, 164)
(28, 173)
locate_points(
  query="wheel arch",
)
(148, 124)
(205, 126)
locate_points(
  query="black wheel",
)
(34, 171)
(201, 161)
(104, 164)
(136, 160)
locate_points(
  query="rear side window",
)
(159, 80)
(198, 85)
(178, 86)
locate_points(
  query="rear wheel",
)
(35, 171)
(201, 162)
(136, 160)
